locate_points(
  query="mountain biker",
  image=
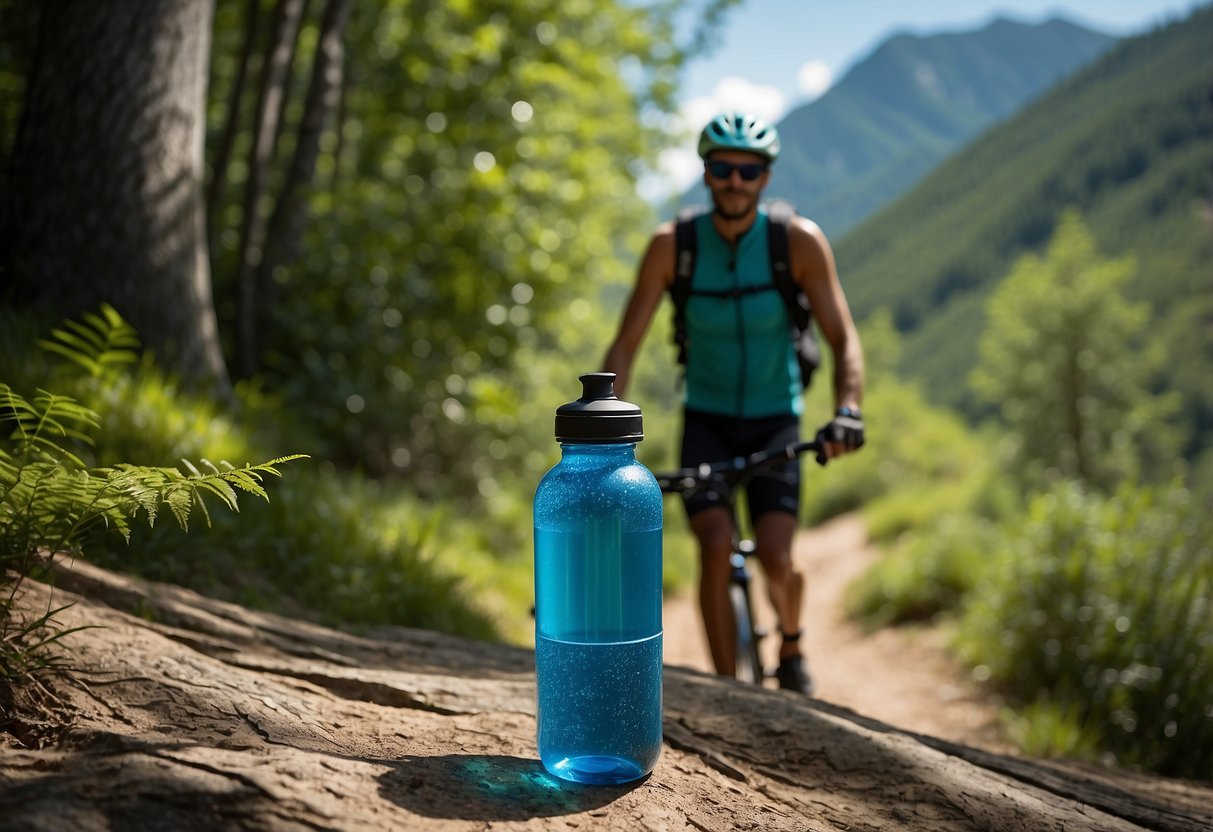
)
(743, 391)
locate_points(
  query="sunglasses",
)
(723, 170)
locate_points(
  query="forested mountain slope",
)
(912, 102)
(1129, 142)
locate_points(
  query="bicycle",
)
(733, 475)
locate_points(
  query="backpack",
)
(780, 214)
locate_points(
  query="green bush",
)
(346, 551)
(51, 503)
(919, 464)
(1101, 606)
(926, 575)
(333, 546)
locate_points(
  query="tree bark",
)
(106, 199)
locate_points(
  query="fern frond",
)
(206, 514)
(50, 500)
(270, 467)
(221, 489)
(73, 354)
(38, 424)
(246, 480)
(97, 344)
(179, 502)
(139, 488)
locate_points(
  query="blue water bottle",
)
(598, 595)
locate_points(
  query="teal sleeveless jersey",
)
(740, 357)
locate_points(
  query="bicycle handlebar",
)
(734, 470)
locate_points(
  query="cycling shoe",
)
(794, 675)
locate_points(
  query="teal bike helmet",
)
(739, 131)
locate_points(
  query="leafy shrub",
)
(51, 503)
(346, 551)
(333, 546)
(1102, 607)
(927, 575)
(920, 462)
(1044, 728)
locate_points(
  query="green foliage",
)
(932, 496)
(919, 461)
(474, 206)
(1091, 612)
(1065, 361)
(1100, 608)
(1126, 141)
(1044, 728)
(349, 552)
(98, 344)
(50, 503)
(927, 574)
(332, 546)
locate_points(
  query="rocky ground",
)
(185, 713)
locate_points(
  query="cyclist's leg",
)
(707, 438)
(713, 528)
(774, 506)
(785, 583)
(773, 534)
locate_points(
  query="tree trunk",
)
(275, 84)
(231, 124)
(290, 208)
(106, 197)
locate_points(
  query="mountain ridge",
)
(912, 101)
(1128, 142)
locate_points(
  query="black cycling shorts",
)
(710, 437)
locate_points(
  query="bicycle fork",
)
(748, 656)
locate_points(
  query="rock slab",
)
(186, 713)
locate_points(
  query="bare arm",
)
(654, 276)
(814, 269)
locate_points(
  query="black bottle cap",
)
(598, 417)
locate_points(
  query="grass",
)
(347, 551)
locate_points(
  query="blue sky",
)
(773, 55)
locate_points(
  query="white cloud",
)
(814, 78)
(733, 93)
(680, 168)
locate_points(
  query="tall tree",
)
(105, 187)
(1065, 361)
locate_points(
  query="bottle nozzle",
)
(597, 386)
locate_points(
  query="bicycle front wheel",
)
(749, 665)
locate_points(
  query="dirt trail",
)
(900, 676)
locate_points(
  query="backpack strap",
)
(685, 249)
(780, 215)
